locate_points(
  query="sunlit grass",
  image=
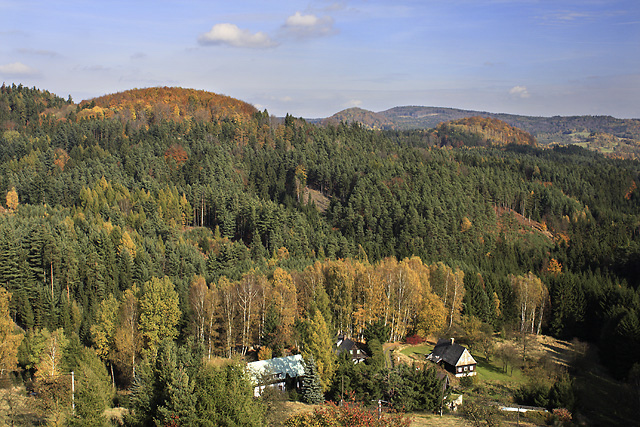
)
(492, 371)
(420, 350)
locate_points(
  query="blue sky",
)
(315, 58)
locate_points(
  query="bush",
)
(294, 396)
(562, 416)
(414, 339)
(467, 382)
(348, 415)
(480, 414)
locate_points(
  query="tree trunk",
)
(540, 317)
(113, 379)
(453, 305)
(51, 280)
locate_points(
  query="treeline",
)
(96, 206)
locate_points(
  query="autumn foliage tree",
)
(531, 296)
(9, 339)
(12, 199)
(159, 312)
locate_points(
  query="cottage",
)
(354, 349)
(284, 373)
(453, 357)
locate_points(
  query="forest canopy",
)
(290, 232)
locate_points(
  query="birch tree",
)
(225, 292)
(246, 292)
(127, 338)
(531, 295)
(197, 303)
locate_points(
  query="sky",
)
(314, 58)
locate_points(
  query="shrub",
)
(348, 415)
(467, 382)
(415, 339)
(562, 415)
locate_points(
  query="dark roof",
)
(351, 347)
(446, 351)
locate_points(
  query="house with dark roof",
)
(354, 349)
(283, 373)
(453, 357)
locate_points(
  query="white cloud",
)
(17, 69)
(519, 92)
(231, 35)
(304, 26)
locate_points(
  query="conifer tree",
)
(311, 388)
(317, 341)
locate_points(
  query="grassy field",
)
(487, 370)
(415, 351)
(492, 371)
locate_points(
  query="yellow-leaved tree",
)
(317, 342)
(12, 198)
(9, 339)
(284, 299)
(103, 331)
(159, 312)
(52, 354)
(127, 338)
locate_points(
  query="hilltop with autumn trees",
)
(164, 103)
(481, 131)
(145, 235)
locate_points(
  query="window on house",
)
(460, 369)
(471, 368)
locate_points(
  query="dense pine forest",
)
(147, 231)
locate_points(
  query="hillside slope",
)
(169, 103)
(608, 135)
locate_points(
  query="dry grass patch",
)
(429, 420)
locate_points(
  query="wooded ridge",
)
(151, 231)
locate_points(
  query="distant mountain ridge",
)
(559, 129)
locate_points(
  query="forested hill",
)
(607, 134)
(480, 131)
(164, 103)
(103, 210)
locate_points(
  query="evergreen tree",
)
(318, 344)
(93, 390)
(311, 388)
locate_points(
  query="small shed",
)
(284, 373)
(453, 357)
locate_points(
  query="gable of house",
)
(466, 359)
